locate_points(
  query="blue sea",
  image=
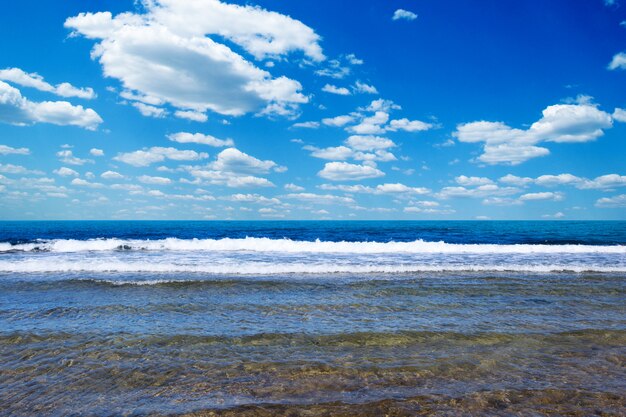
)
(312, 318)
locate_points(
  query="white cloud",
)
(293, 187)
(402, 14)
(619, 115)
(363, 88)
(307, 125)
(229, 179)
(18, 110)
(320, 198)
(149, 156)
(66, 172)
(618, 61)
(67, 157)
(83, 183)
(195, 116)
(338, 121)
(334, 69)
(336, 153)
(146, 179)
(515, 180)
(612, 202)
(396, 188)
(251, 198)
(477, 192)
(173, 52)
(111, 175)
(344, 171)
(565, 123)
(550, 180)
(472, 181)
(342, 91)
(371, 125)
(408, 125)
(353, 60)
(234, 168)
(7, 150)
(541, 196)
(150, 111)
(369, 143)
(17, 169)
(34, 80)
(233, 160)
(96, 152)
(185, 137)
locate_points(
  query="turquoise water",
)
(322, 318)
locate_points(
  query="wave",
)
(265, 268)
(252, 244)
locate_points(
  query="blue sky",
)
(201, 109)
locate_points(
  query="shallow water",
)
(446, 330)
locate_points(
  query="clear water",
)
(318, 318)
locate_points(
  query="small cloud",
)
(342, 91)
(402, 14)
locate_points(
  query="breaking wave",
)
(252, 244)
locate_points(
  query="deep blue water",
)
(500, 232)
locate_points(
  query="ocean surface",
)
(313, 318)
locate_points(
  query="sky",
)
(400, 109)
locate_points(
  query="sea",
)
(312, 318)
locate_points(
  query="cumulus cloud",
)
(148, 156)
(541, 196)
(408, 125)
(338, 121)
(562, 123)
(66, 172)
(199, 138)
(293, 187)
(602, 182)
(34, 80)
(147, 179)
(334, 153)
(96, 152)
(612, 202)
(396, 188)
(332, 89)
(306, 125)
(481, 191)
(67, 157)
(174, 53)
(111, 175)
(18, 110)
(150, 111)
(369, 143)
(320, 198)
(363, 88)
(84, 183)
(618, 61)
(235, 161)
(7, 150)
(472, 181)
(195, 116)
(234, 168)
(402, 14)
(17, 169)
(619, 115)
(344, 171)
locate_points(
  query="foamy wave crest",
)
(251, 244)
(266, 268)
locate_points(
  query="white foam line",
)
(250, 244)
(286, 268)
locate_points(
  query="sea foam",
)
(254, 244)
